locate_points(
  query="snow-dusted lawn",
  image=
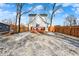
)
(38, 45)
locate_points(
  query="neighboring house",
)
(4, 27)
(38, 20)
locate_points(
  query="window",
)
(0, 26)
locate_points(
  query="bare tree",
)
(70, 21)
(54, 9)
(19, 13)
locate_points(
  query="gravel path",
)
(32, 44)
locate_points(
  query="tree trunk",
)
(19, 23)
(16, 22)
(18, 17)
(52, 14)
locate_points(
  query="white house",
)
(38, 20)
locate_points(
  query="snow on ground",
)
(33, 44)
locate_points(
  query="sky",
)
(8, 11)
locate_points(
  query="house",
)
(4, 27)
(38, 21)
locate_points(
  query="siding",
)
(4, 27)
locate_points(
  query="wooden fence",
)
(22, 28)
(69, 30)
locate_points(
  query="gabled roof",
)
(39, 16)
(43, 14)
(36, 14)
(4, 23)
(32, 14)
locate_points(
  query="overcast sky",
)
(8, 11)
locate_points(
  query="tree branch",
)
(28, 11)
